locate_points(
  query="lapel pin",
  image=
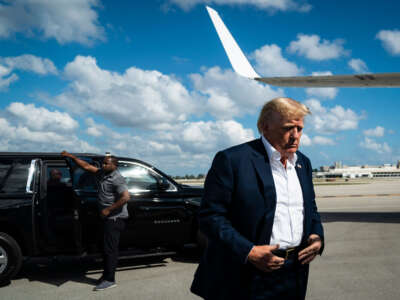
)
(299, 166)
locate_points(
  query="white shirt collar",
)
(274, 154)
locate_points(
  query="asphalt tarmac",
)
(361, 260)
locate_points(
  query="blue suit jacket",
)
(237, 212)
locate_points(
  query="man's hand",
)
(124, 198)
(308, 254)
(65, 154)
(81, 163)
(263, 258)
(105, 212)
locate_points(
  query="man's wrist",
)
(69, 155)
(314, 239)
(247, 257)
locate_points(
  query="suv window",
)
(142, 179)
(58, 175)
(13, 176)
(85, 181)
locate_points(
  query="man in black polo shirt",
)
(113, 196)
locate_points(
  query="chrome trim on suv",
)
(30, 176)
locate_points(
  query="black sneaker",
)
(105, 285)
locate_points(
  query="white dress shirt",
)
(287, 229)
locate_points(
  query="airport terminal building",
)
(342, 171)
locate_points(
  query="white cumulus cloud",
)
(330, 120)
(209, 136)
(64, 20)
(305, 140)
(270, 62)
(312, 47)
(229, 95)
(371, 144)
(321, 140)
(135, 98)
(390, 40)
(5, 78)
(187, 146)
(28, 62)
(16, 136)
(379, 131)
(358, 65)
(41, 119)
(316, 140)
(328, 93)
(92, 128)
(270, 5)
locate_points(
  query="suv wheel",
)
(10, 257)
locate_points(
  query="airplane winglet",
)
(238, 60)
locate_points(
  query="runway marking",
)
(357, 195)
(336, 209)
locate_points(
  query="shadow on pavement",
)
(191, 256)
(64, 269)
(5, 283)
(365, 217)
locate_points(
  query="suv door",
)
(61, 226)
(85, 189)
(158, 214)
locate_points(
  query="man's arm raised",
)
(81, 163)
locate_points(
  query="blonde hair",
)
(286, 107)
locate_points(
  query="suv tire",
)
(10, 257)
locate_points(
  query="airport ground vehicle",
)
(41, 218)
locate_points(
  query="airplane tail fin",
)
(238, 61)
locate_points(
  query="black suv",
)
(48, 207)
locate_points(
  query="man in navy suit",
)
(259, 214)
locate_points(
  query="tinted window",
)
(84, 180)
(58, 175)
(13, 176)
(142, 179)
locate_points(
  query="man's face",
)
(55, 175)
(108, 166)
(284, 134)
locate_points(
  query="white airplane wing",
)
(358, 80)
(238, 61)
(242, 66)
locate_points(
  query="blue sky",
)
(150, 79)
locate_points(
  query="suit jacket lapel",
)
(262, 166)
(301, 174)
(266, 184)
